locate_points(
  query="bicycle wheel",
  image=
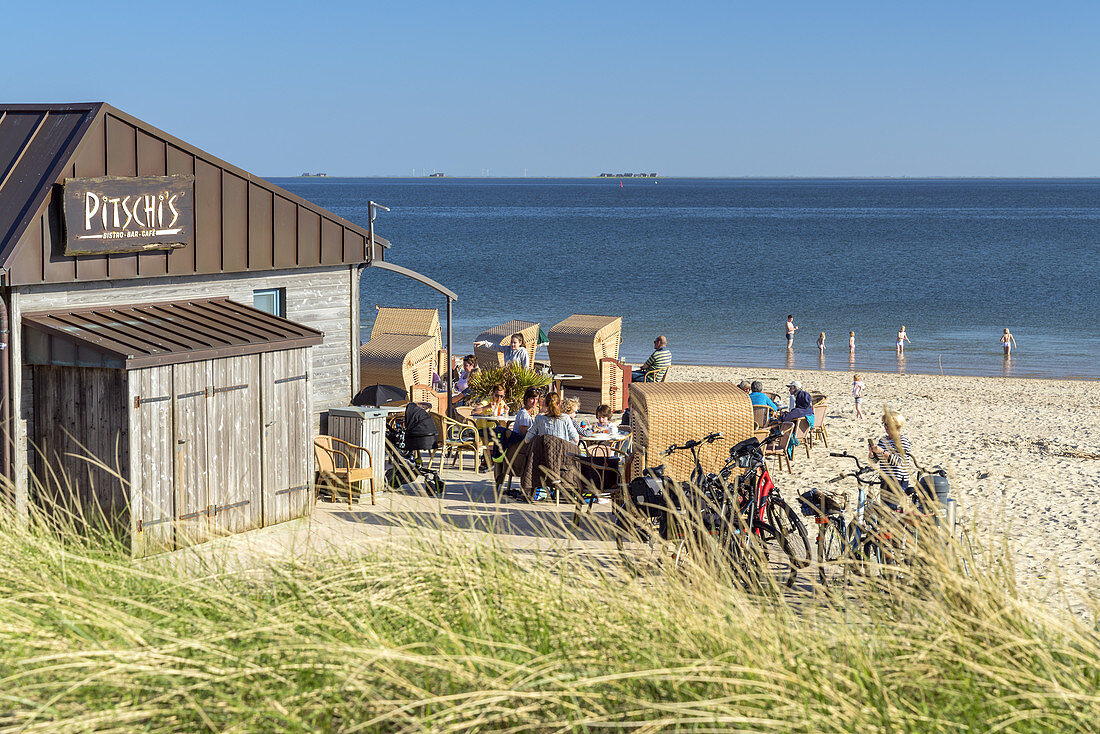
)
(793, 538)
(830, 547)
(747, 554)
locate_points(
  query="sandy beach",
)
(1023, 456)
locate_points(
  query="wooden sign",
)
(112, 214)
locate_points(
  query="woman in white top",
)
(514, 353)
(553, 422)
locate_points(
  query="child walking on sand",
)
(821, 343)
(857, 393)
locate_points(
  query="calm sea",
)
(716, 265)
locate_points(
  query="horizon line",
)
(713, 178)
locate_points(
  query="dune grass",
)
(451, 633)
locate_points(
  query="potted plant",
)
(515, 379)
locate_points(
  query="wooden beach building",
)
(176, 328)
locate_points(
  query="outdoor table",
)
(616, 436)
(498, 418)
(564, 377)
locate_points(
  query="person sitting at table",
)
(514, 353)
(570, 406)
(759, 397)
(461, 378)
(496, 404)
(658, 362)
(803, 405)
(744, 386)
(553, 422)
(603, 420)
(526, 416)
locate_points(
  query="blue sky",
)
(570, 88)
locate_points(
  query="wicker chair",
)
(674, 412)
(403, 349)
(424, 394)
(490, 358)
(820, 431)
(802, 433)
(762, 415)
(456, 437)
(780, 446)
(588, 346)
(336, 468)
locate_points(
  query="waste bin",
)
(364, 427)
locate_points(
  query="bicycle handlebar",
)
(709, 438)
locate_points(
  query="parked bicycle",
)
(739, 518)
(881, 536)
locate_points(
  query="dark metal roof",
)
(151, 334)
(35, 143)
(242, 222)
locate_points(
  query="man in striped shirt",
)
(658, 362)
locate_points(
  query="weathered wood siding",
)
(234, 435)
(82, 434)
(152, 450)
(320, 298)
(191, 438)
(287, 458)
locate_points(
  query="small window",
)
(271, 300)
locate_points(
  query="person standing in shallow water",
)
(1007, 341)
(851, 341)
(791, 329)
(902, 338)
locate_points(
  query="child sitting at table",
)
(569, 408)
(603, 420)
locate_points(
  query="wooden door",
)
(152, 500)
(192, 451)
(286, 416)
(235, 444)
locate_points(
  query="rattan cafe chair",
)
(762, 415)
(778, 447)
(336, 468)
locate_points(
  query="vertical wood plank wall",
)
(152, 449)
(235, 500)
(220, 446)
(191, 440)
(82, 430)
(320, 298)
(287, 456)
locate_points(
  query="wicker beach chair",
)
(588, 346)
(403, 350)
(489, 358)
(664, 413)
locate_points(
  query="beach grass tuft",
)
(453, 632)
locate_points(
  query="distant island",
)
(307, 174)
(628, 175)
